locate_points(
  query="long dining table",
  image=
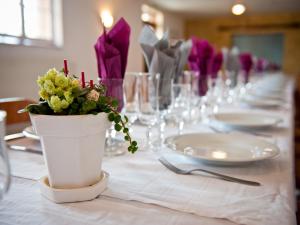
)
(142, 191)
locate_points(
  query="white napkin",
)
(162, 58)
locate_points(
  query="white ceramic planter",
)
(73, 147)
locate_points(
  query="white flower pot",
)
(73, 147)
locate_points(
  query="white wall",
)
(20, 65)
(175, 25)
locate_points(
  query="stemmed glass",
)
(148, 89)
(4, 163)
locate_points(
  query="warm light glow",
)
(219, 155)
(145, 17)
(106, 18)
(238, 9)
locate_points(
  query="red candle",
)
(91, 83)
(66, 67)
(82, 80)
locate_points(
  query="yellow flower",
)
(51, 74)
(40, 81)
(68, 96)
(43, 94)
(75, 83)
(61, 81)
(57, 104)
(49, 87)
(59, 92)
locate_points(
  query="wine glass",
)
(5, 178)
(148, 89)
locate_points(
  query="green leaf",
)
(126, 118)
(111, 117)
(114, 103)
(117, 119)
(118, 127)
(134, 143)
(88, 106)
(125, 130)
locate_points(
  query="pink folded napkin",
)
(216, 64)
(200, 60)
(246, 64)
(260, 65)
(111, 52)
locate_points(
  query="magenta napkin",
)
(111, 52)
(216, 64)
(246, 64)
(200, 60)
(260, 65)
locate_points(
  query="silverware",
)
(242, 131)
(24, 149)
(13, 136)
(222, 176)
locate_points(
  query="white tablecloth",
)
(142, 191)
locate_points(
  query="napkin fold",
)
(216, 65)
(165, 59)
(200, 60)
(112, 52)
(246, 64)
(260, 65)
(231, 64)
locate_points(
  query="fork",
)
(222, 176)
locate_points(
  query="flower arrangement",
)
(62, 94)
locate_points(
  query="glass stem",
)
(180, 126)
(149, 135)
(161, 130)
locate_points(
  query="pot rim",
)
(100, 113)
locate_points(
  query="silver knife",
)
(24, 149)
(13, 136)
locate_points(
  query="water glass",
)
(179, 109)
(148, 89)
(114, 88)
(130, 108)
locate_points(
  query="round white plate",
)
(261, 102)
(265, 96)
(30, 133)
(223, 149)
(245, 120)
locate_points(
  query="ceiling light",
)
(145, 17)
(238, 9)
(106, 18)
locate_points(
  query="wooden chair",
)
(15, 122)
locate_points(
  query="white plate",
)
(245, 120)
(262, 102)
(266, 96)
(30, 133)
(223, 149)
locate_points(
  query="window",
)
(268, 46)
(30, 22)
